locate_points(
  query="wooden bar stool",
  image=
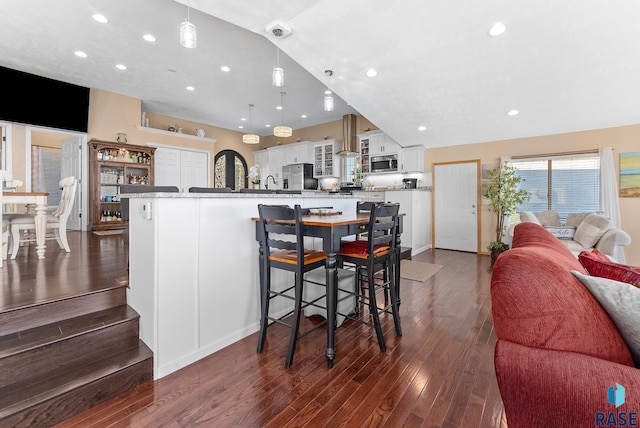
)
(379, 248)
(282, 247)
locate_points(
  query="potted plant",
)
(254, 176)
(504, 197)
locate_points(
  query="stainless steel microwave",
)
(387, 163)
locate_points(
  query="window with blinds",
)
(567, 184)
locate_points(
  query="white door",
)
(166, 167)
(455, 190)
(71, 166)
(193, 170)
(181, 168)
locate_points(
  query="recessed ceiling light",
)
(512, 112)
(304, 116)
(149, 38)
(80, 54)
(121, 66)
(100, 18)
(327, 92)
(279, 108)
(225, 69)
(244, 119)
(268, 126)
(497, 29)
(240, 127)
(190, 88)
(422, 128)
(371, 72)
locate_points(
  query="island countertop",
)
(275, 195)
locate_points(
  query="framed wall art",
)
(630, 175)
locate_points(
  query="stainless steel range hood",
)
(349, 137)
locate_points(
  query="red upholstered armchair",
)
(558, 353)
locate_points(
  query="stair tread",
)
(17, 396)
(25, 340)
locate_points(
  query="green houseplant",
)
(504, 196)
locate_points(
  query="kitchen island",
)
(194, 275)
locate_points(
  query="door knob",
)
(473, 206)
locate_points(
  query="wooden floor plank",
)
(439, 373)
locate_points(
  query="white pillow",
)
(574, 219)
(528, 216)
(622, 303)
(591, 229)
(548, 218)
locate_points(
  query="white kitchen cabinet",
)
(367, 196)
(261, 158)
(326, 162)
(415, 204)
(382, 144)
(412, 159)
(375, 143)
(297, 153)
(277, 159)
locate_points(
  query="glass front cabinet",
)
(113, 164)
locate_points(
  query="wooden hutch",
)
(112, 164)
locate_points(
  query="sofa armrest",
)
(611, 239)
(543, 388)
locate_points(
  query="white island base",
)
(194, 270)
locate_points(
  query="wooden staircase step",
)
(13, 320)
(54, 398)
(67, 344)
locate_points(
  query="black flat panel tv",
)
(45, 102)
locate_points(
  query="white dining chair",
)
(4, 238)
(56, 222)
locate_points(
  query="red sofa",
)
(558, 351)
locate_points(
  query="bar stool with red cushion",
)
(379, 248)
(282, 247)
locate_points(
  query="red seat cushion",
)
(597, 264)
(359, 249)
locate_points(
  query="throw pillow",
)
(549, 218)
(598, 264)
(574, 219)
(622, 303)
(591, 229)
(561, 232)
(528, 216)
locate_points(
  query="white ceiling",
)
(566, 65)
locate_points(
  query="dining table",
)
(332, 228)
(37, 200)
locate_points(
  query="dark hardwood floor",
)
(438, 374)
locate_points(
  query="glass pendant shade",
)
(328, 101)
(188, 34)
(250, 139)
(282, 131)
(278, 76)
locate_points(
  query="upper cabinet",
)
(326, 162)
(382, 144)
(375, 143)
(412, 159)
(298, 153)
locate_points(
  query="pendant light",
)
(250, 138)
(277, 77)
(328, 95)
(282, 130)
(188, 32)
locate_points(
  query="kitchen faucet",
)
(266, 181)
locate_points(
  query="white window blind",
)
(567, 184)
